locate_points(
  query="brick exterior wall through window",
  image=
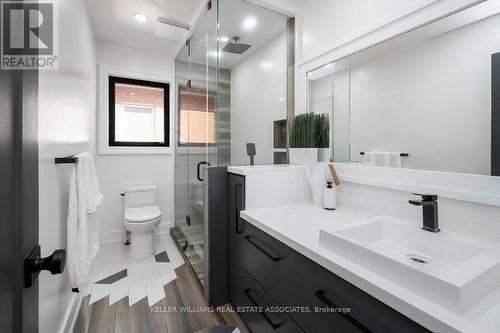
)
(196, 123)
(138, 95)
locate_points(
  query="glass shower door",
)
(182, 171)
(197, 133)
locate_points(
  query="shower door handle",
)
(198, 169)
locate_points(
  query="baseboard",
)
(113, 236)
(71, 314)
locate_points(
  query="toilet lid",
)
(142, 214)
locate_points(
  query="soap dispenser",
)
(329, 196)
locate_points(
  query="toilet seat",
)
(142, 214)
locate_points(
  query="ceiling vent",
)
(169, 29)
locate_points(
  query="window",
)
(197, 118)
(138, 113)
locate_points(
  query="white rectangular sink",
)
(452, 270)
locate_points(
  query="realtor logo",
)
(28, 36)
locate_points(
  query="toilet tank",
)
(140, 196)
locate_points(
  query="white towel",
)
(383, 159)
(395, 160)
(368, 158)
(83, 227)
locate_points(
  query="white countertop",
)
(246, 169)
(298, 227)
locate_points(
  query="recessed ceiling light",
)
(249, 23)
(223, 39)
(140, 17)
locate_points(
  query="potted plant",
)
(308, 133)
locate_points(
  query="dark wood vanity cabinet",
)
(267, 261)
(264, 272)
(252, 295)
(314, 286)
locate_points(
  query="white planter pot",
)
(303, 155)
(323, 154)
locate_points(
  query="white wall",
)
(329, 30)
(287, 185)
(119, 171)
(327, 24)
(437, 96)
(134, 59)
(66, 126)
(473, 219)
(258, 93)
(331, 94)
(286, 7)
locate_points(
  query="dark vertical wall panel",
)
(18, 197)
(495, 114)
(216, 238)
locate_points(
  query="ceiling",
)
(113, 21)
(232, 17)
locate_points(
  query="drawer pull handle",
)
(237, 188)
(321, 295)
(270, 322)
(267, 254)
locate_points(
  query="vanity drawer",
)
(252, 295)
(313, 285)
(268, 261)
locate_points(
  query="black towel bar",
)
(402, 154)
(66, 160)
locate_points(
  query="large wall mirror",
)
(428, 99)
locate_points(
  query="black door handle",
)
(267, 254)
(33, 264)
(198, 173)
(321, 295)
(237, 208)
(275, 326)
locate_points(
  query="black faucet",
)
(429, 205)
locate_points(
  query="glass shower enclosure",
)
(196, 134)
(212, 112)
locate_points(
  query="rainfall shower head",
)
(235, 47)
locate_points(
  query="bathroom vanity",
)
(314, 270)
(266, 272)
(408, 115)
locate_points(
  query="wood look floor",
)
(189, 254)
(185, 291)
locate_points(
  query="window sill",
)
(135, 150)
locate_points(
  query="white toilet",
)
(141, 217)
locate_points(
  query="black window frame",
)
(112, 81)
